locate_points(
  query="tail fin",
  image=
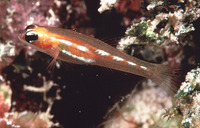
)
(169, 78)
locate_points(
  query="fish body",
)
(77, 48)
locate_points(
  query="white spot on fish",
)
(86, 60)
(102, 53)
(82, 48)
(63, 41)
(66, 42)
(117, 58)
(131, 63)
(143, 67)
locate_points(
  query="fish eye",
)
(31, 26)
(31, 36)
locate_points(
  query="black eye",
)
(31, 26)
(31, 36)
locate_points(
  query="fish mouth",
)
(21, 37)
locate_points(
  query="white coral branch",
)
(106, 4)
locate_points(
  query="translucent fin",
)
(111, 40)
(169, 78)
(53, 61)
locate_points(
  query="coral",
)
(192, 82)
(5, 99)
(129, 8)
(7, 53)
(167, 30)
(29, 119)
(5, 104)
(188, 99)
(144, 109)
(106, 4)
(143, 31)
(37, 12)
(26, 119)
(4, 123)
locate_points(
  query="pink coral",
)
(129, 8)
(4, 123)
(4, 107)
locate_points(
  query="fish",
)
(73, 47)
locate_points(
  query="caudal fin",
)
(169, 78)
